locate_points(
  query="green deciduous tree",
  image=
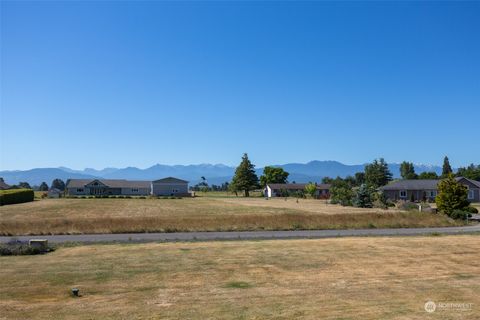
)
(245, 178)
(377, 173)
(452, 196)
(58, 184)
(359, 178)
(273, 175)
(311, 189)
(341, 192)
(407, 170)
(25, 185)
(43, 187)
(470, 172)
(446, 168)
(428, 175)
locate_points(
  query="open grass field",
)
(349, 278)
(74, 216)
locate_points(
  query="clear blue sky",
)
(96, 84)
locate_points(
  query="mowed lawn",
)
(73, 216)
(348, 278)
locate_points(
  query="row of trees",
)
(407, 171)
(56, 183)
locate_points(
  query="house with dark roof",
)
(100, 187)
(426, 190)
(280, 189)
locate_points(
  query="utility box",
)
(41, 244)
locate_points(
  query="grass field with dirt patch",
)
(74, 216)
(349, 278)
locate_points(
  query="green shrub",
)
(142, 197)
(460, 215)
(16, 196)
(451, 196)
(17, 248)
(471, 209)
(407, 206)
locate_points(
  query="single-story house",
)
(170, 187)
(426, 190)
(279, 189)
(54, 193)
(100, 187)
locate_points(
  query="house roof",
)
(81, 183)
(295, 186)
(474, 182)
(412, 185)
(429, 184)
(55, 190)
(170, 180)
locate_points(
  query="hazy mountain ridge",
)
(214, 173)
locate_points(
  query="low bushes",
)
(18, 248)
(471, 209)
(460, 215)
(16, 196)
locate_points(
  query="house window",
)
(403, 193)
(79, 190)
(134, 190)
(174, 190)
(471, 196)
(432, 194)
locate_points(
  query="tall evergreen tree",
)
(446, 169)
(245, 178)
(363, 198)
(377, 173)
(407, 170)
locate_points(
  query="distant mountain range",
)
(214, 173)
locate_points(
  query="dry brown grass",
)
(73, 216)
(354, 278)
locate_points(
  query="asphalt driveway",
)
(246, 235)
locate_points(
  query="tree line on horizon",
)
(375, 174)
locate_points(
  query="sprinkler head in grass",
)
(75, 292)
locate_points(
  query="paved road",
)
(246, 235)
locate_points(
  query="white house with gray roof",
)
(100, 187)
(426, 190)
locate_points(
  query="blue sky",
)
(97, 84)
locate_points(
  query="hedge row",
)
(16, 196)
